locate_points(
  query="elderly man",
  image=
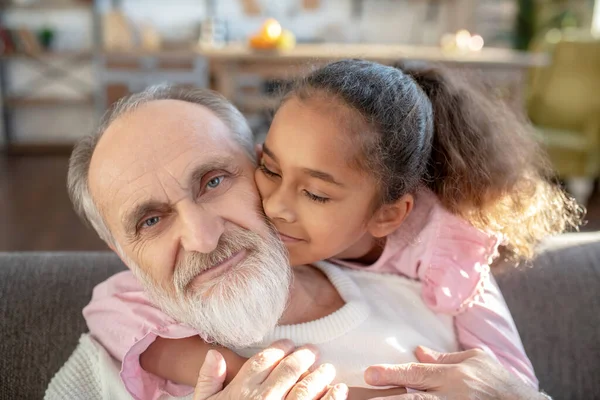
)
(167, 182)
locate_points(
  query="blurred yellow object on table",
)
(272, 37)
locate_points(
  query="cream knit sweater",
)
(383, 320)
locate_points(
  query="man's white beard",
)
(237, 308)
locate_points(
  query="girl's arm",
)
(488, 325)
(179, 360)
(158, 355)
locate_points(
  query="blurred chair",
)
(564, 105)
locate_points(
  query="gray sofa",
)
(555, 303)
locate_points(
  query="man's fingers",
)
(313, 385)
(338, 392)
(426, 355)
(285, 375)
(260, 365)
(412, 375)
(211, 376)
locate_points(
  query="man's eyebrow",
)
(132, 218)
(324, 176)
(268, 152)
(227, 163)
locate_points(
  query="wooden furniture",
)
(123, 73)
(505, 70)
(51, 68)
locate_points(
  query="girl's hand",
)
(360, 393)
(273, 373)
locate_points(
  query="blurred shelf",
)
(163, 53)
(46, 6)
(313, 53)
(21, 102)
(48, 55)
(257, 103)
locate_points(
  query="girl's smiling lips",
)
(288, 239)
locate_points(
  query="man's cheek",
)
(159, 265)
(244, 209)
(244, 198)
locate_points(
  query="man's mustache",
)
(195, 263)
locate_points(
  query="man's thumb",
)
(428, 356)
(211, 376)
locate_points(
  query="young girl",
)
(387, 170)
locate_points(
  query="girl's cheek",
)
(261, 184)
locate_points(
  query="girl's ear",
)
(390, 216)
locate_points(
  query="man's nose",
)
(279, 205)
(201, 229)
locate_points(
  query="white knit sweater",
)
(383, 320)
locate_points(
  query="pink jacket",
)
(446, 253)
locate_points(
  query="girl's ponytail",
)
(487, 166)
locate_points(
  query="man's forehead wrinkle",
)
(156, 190)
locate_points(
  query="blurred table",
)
(504, 70)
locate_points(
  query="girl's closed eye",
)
(263, 168)
(315, 198)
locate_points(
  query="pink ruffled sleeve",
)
(123, 320)
(452, 259)
(488, 325)
(455, 264)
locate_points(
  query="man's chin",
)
(237, 310)
(238, 324)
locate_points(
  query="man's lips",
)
(220, 268)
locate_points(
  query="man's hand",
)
(470, 374)
(277, 372)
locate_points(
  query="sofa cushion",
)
(42, 295)
(556, 306)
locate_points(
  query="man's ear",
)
(390, 216)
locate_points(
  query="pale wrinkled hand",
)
(277, 372)
(470, 374)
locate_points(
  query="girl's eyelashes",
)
(267, 171)
(314, 197)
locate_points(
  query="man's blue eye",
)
(151, 221)
(214, 182)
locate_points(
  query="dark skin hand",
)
(359, 393)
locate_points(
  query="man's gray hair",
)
(79, 165)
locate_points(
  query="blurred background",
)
(63, 62)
